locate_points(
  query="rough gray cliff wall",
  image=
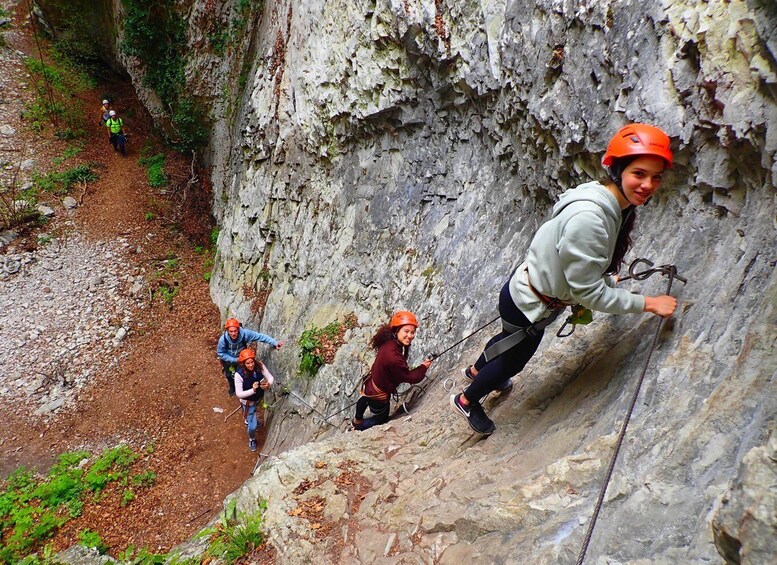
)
(389, 154)
(401, 154)
(393, 155)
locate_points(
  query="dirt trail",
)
(164, 392)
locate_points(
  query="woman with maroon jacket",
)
(392, 342)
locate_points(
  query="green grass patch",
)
(231, 538)
(155, 169)
(33, 507)
(91, 539)
(61, 183)
(72, 150)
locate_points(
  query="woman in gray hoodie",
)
(573, 259)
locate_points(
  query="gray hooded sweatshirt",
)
(569, 254)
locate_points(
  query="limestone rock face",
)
(745, 522)
(387, 154)
(401, 155)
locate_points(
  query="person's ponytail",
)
(623, 244)
(382, 336)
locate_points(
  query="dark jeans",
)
(229, 374)
(511, 362)
(379, 409)
(117, 140)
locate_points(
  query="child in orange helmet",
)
(251, 380)
(234, 339)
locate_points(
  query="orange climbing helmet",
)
(403, 318)
(245, 355)
(638, 139)
(231, 323)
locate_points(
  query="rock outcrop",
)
(401, 154)
(745, 522)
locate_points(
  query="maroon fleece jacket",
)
(390, 370)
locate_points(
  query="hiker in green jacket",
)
(117, 135)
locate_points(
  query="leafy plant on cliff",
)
(232, 539)
(155, 34)
(319, 345)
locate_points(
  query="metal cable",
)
(671, 272)
(396, 396)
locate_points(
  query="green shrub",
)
(88, 538)
(55, 85)
(32, 508)
(112, 465)
(145, 479)
(188, 121)
(155, 169)
(168, 293)
(155, 33)
(71, 151)
(61, 183)
(230, 539)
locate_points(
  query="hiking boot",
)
(252, 444)
(474, 414)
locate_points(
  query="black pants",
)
(117, 140)
(379, 409)
(511, 362)
(229, 374)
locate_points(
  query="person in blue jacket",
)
(234, 340)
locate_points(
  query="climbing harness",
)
(577, 318)
(518, 334)
(401, 397)
(671, 272)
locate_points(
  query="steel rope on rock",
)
(671, 272)
(397, 396)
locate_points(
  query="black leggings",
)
(511, 362)
(379, 409)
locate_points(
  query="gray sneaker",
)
(475, 415)
(252, 444)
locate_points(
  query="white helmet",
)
(112, 113)
(106, 102)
